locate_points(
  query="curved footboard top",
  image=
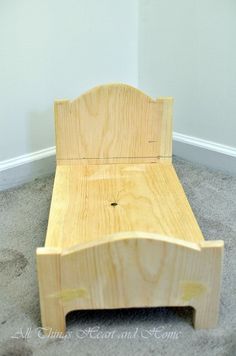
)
(131, 269)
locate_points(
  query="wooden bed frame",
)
(121, 232)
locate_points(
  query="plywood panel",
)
(149, 198)
(133, 270)
(113, 123)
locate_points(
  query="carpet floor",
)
(155, 331)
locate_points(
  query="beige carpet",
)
(156, 331)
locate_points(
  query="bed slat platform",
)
(121, 232)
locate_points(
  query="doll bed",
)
(121, 232)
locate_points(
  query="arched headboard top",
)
(113, 123)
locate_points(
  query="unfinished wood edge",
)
(198, 246)
(113, 160)
(169, 100)
(212, 244)
(131, 235)
(58, 102)
(48, 251)
(206, 312)
(111, 85)
(60, 105)
(49, 279)
(166, 126)
(66, 101)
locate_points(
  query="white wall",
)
(187, 49)
(58, 49)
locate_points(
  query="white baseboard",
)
(24, 168)
(208, 153)
(205, 144)
(27, 158)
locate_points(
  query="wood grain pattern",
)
(149, 198)
(141, 270)
(113, 123)
(121, 232)
(49, 277)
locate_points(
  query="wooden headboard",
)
(113, 123)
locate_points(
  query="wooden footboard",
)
(130, 269)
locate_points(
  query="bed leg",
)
(207, 308)
(49, 277)
(206, 316)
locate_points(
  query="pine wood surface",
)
(149, 198)
(113, 123)
(121, 232)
